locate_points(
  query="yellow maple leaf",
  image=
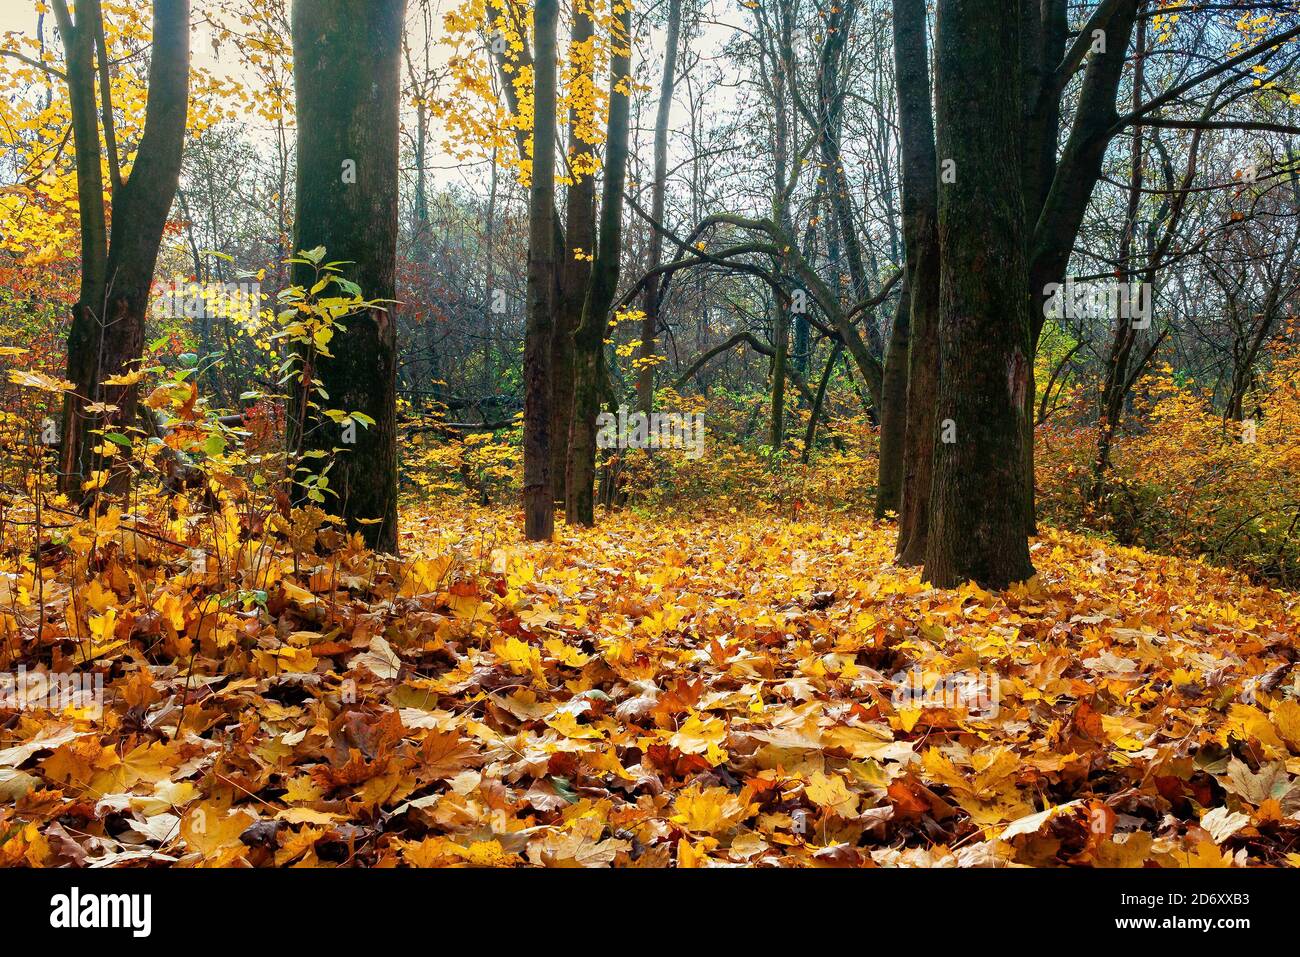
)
(208, 827)
(1286, 719)
(709, 811)
(830, 791)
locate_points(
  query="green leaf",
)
(564, 788)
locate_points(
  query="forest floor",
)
(709, 689)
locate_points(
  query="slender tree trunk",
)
(799, 327)
(819, 399)
(421, 242)
(347, 77)
(589, 339)
(920, 175)
(645, 380)
(893, 412)
(830, 112)
(573, 272)
(1123, 335)
(106, 101)
(978, 523)
(780, 356)
(539, 500)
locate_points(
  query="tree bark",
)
(893, 411)
(539, 500)
(1054, 225)
(920, 178)
(1123, 334)
(815, 407)
(1057, 193)
(573, 273)
(829, 117)
(347, 77)
(780, 357)
(978, 523)
(650, 303)
(107, 332)
(85, 331)
(589, 339)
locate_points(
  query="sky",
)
(20, 15)
(441, 166)
(17, 15)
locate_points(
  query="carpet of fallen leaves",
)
(704, 690)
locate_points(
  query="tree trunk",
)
(573, 273)
(1053, 228)
(1056, 193)
(978, 522)
(539, 499)
(1123, 334)
(819, 398)
(645, 379)
(86, 330)
(589, 339)
(347, 79)
(893, 410)
(830, 110)
(920, 174)
(107, 333)
(780, 355)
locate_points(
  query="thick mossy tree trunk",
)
(920, 177)
(979, 515)
(893, 410)
(107, 331)
(539, 501)
(347, 56)
(589, 340)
